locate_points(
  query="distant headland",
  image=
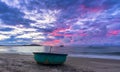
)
(23, 45)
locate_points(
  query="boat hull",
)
(49, 58)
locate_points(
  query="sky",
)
(60, 22)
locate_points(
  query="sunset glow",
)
(56, 22)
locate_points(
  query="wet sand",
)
(26, 63)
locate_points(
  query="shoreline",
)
(102, 56)
(26, 63)
(112, 57)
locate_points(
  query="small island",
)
(23, 45)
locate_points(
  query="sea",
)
(103, 52)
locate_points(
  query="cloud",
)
(12, 16)
(3, 37)
(61, 21)
(15, 30)
(31, 35)
(43, 20)
(18, 32)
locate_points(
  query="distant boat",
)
(61, 45)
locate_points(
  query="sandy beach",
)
(26, 63)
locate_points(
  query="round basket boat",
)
(49, 58)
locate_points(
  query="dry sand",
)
(26, 63)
